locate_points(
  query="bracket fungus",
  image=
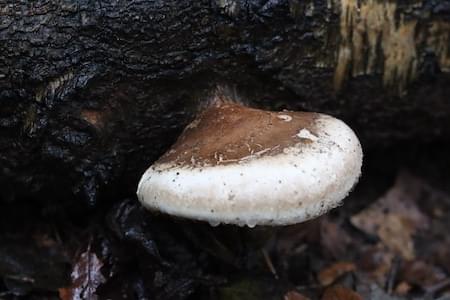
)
(239, 165)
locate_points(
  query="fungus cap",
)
(244, 166)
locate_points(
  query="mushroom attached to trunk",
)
(245, 166)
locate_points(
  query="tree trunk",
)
(93, 91)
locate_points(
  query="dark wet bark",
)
(92, 92)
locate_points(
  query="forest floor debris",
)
(390, 240)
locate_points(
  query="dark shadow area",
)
(388, 240)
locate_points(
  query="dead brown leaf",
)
(338, 292)
(440, 253)
(86, 278)
(403, 288)
(330, 274)
(396, 233)
(334, 240)
(395, 217)
(293, 295)
(421, 274)
(376, 262)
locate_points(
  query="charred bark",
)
(93, 91)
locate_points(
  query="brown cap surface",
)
(230, 132)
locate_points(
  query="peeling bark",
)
(93, 91)
(383, 31)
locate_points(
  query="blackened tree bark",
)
(92, 92)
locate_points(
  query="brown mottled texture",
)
(227, 133)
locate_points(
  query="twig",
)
(432, 290)
(269, 263)
(392, 276)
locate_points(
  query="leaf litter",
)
(394, 247)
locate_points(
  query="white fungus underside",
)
(301, 183)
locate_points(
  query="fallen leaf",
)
(421, 274)
(86, 278)
(377, 293)
(395, 217)
(403, 288)
(330, 274)
(293, 295)
(334, 240)
(338, 292)
(396, 233)
(440, 253)
(376, 262)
